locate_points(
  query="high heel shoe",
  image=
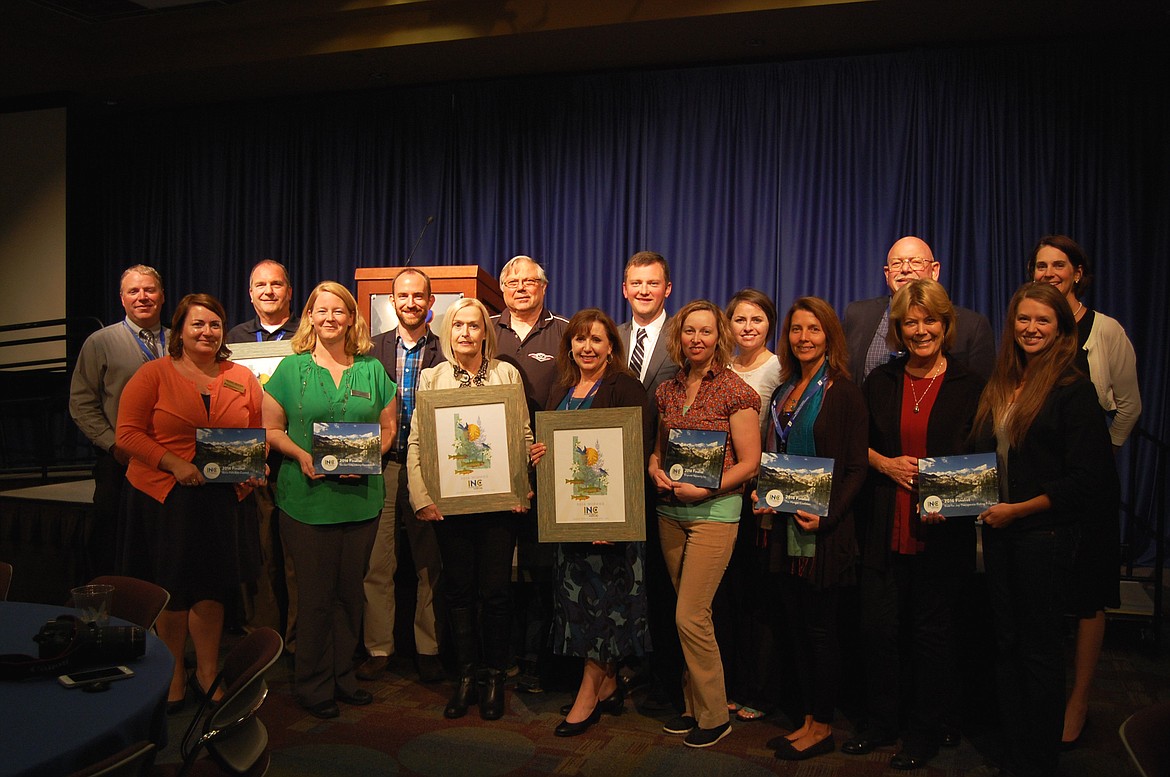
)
(200, 694)
(567, 729)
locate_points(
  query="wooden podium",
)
(375, 286)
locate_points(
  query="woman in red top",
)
(177, 530)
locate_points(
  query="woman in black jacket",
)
(600, 600)
(1057, 476)
(922, 404)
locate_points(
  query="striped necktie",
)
(151, 341)
(638, 354)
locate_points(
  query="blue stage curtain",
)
(792, 177)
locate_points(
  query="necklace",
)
(1077, 312)
(467, 379)
(918, 399)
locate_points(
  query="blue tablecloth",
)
(47, 729)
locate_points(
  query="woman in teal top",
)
(328, 522)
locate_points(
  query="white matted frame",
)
(591, 481)
(472, 451)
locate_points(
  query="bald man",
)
(867, 321)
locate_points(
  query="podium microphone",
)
(430, 220)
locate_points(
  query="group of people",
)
(907, 375)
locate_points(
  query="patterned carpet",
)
(404, 732)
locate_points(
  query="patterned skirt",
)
(600, 601)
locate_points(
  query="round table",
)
(52, 730)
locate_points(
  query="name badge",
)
(233, 385)
(362, 394)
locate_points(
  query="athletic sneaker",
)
(683, 724)
(705, 737)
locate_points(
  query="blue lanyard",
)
(260, 335)
(783, 430)
(162, 342)
(569, 399)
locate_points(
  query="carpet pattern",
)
(404, 733)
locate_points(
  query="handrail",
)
(1156, 511)
(39, 383)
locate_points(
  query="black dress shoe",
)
(905, 762)
(325, 710)
(866, 742)
(567, 729)
(789, 753)
(175, 707)
(358, 698)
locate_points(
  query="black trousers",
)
(331, 564)
(906, 627)
(811, 626)
(1028, 578)
(477, 569)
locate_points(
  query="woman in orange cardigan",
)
(177, 530)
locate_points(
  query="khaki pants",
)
(696, 554)
(379, 582)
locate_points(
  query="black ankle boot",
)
(466, 693)
(491, 702)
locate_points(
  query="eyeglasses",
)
(916, 263)
(528, 283)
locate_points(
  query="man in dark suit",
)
(867, 321)
(646, 285)
(273, 598)
(404, 351)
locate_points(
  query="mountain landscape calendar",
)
(789, 482)
(957, 485)
(347, 449)
(229, 455)
(695, 456)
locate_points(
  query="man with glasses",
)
(528, 336)
(867, 321)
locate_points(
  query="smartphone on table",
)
(90, 676)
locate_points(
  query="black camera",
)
(89, 644)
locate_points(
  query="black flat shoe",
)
(325, 710)
(614, 704)
(567, 729)
(358, 698)
(175, 707)
(790, 753)
(866, 742)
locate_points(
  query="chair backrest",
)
(1144, 735)
(230, 730)
(5, 580)
(134, 761)
(137, 601)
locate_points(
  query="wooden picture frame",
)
(582, 448)
(459, 438)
